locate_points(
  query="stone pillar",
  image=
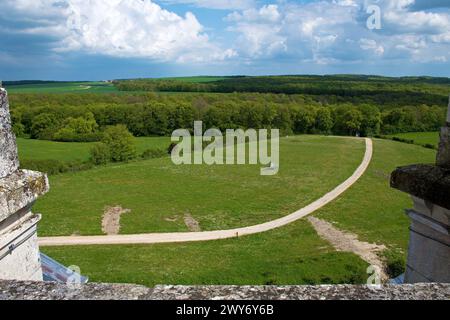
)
(429, 186)
(19, 189)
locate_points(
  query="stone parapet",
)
(9, 161)
(19, 189)
(28, 290)
(428, 182)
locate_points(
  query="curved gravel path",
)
(150, 238)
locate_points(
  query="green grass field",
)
(419, 138)
(290, 255)
(30, 149)
(91, 87)
(160, 193)
(63, 87)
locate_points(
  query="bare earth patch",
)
(191, 223)
(111, 219)
(346, 241)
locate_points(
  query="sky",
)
(116, 39)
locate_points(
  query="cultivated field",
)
(63, 87)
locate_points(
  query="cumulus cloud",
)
(121, 28)
(321, 32)
(370, 44)
(216, 4)
(335, 31)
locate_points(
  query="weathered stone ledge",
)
(428, 182)
(27, 290)
(21, 189)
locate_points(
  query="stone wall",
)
(19, 189)
(104, 291)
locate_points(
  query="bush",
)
(408, 141)
(19, 129)
(429, 146)
(81, 129)
(100, 154)
(120, 143)
(43, 126)
(52, 167)
(395, 263)
(66, 135)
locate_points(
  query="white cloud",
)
(216, 4)
(372, 45)
(320, 31)
(267, 13)
(121, 28)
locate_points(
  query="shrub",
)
(100, 154)
(81, 129)
(395, 263)
(120, 143)
(408, 141)
(52, 167)
(43, 126)
(19, 129)
(429, 146)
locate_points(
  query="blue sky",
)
(110, 39)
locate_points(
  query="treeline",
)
(381, 91)
(70, 117)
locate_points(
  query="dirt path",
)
(111, 219)
(149, 238)
(191, 223)
(346, 241)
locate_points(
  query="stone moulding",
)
(28, 290)
(20, 189)
(428, 182)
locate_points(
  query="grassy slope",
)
(371, 208)
(160, 193)
(420, 137)
(290, 255)
(30, 149)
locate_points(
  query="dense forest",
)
(83, 117)
(383, 92)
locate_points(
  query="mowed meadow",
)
(158, 195)
(293, 254)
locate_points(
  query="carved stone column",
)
(429, 186)
(19, 189)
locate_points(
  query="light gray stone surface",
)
(443, 156)
(19, 254)
(9, 161)
(429, 243)
(95, 291)
(19, 190)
